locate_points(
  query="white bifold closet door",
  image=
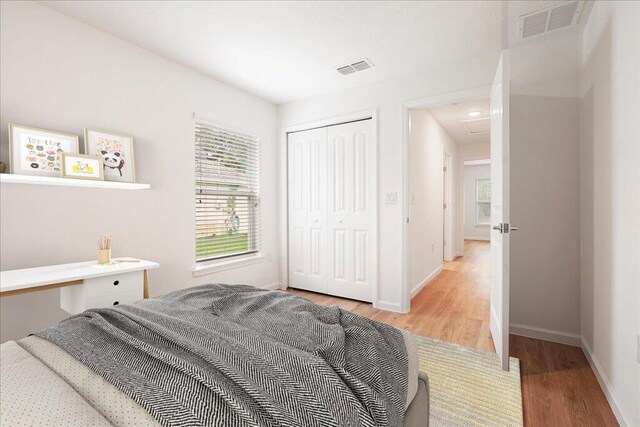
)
(331, 210)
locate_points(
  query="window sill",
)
(213, 266)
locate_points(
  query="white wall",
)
(544, 185)
(472, 173)
(58, 73)
(479, 150)
(610, 201)
(388, 98)
(427, 143)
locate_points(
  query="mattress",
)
(43, 385)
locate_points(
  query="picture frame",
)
(36, 151)
(82, 166)
(116, 150)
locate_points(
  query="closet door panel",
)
(307, 210)
(339, 174)
(362, 214)
(317, 217)
(350, 212)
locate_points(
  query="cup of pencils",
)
(104, 250)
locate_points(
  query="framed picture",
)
(81, 166)
(36, 151)
(116, 151)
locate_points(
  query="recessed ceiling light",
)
(474, 113)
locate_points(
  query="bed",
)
(215, 355)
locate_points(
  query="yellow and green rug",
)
(468, 387)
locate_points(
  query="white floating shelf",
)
(69, 182)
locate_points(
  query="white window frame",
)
(228, 261)
(477, 203)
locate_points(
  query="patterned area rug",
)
(467, 386)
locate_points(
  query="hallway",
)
(454, 306)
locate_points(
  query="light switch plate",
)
(390, 198)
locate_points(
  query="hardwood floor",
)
(558, 385)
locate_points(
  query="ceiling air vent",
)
(550, 19)
(362, 65)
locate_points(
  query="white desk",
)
(83, 284)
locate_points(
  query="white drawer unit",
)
(105, 291)
(84, 285)
(111, 300)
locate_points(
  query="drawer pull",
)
(116, 303)
(116, 283)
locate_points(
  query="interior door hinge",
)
(444, 169)
(445, 205)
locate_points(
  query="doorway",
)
(446, 142)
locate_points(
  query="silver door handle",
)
(498, 227)
(513, 228)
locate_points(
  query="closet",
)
(331, 223)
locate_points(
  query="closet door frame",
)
(284, 189)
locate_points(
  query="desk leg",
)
(145, 288)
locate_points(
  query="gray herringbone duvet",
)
(236, 355)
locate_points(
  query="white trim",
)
(448, 213)
(426, 281)
(213, 266)
(283, 186)
(332, 121)
(447, 98)
(545, 334)
(605, 385)
(478, 162)
(428, 102)
(275, 286)
(483, 238)
(389, 306)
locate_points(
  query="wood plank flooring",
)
(558, 385)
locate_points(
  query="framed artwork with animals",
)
(116, 151)
(35, 151)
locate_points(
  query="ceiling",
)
(284, 51)
(451, 116)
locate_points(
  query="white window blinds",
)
(227, 192)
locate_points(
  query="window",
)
(227, 196)
(483, 201)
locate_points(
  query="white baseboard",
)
(567, 338)
(389, 306)
(426, 281)
(477, 238)
(622, 418)
(272, 286)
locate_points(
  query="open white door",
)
(500, 230)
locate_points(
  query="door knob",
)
(513, 228)
(498, 227)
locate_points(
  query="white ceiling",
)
(451, 116)
(283, 51)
